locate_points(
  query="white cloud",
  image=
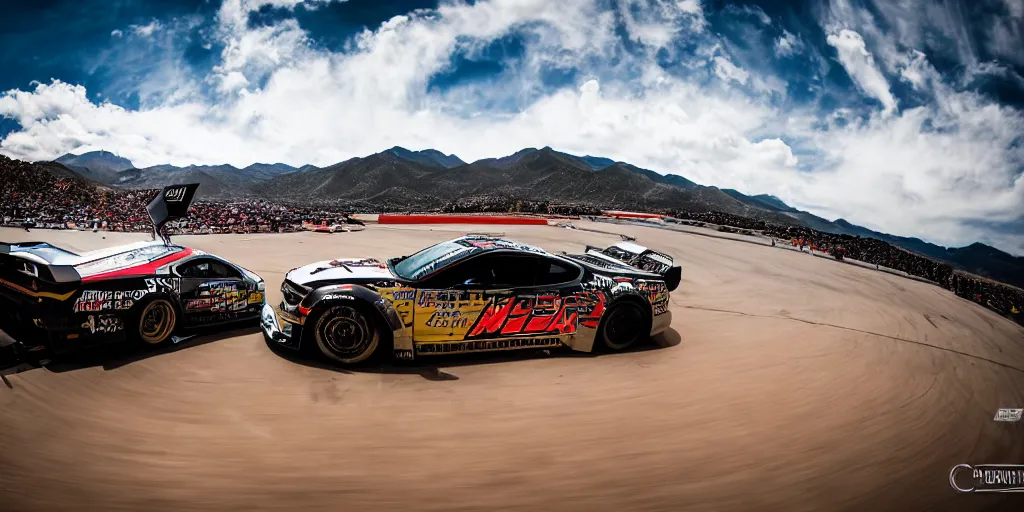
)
(750, 10)
(1015, 8)
(915, 68)
(116, 33)
(860, 65)
(727, 71)
(657, 23)
(931, 171)
(788, 45)
(146, 30)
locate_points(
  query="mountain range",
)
(402, 179)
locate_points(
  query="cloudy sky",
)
(905, 116)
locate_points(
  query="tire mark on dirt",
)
(894, 338)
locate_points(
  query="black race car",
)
(474, 294)
(53, 300)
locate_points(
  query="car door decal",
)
(457, 321)
(446, 315)
(402, 299)
(527, 315)
(218, 297)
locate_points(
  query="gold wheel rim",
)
(156, 322)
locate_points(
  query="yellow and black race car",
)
(475, 294)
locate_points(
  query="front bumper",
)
(279, 331)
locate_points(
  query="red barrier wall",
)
(460, 219)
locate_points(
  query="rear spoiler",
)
(645, 259)
(170, 204)
(33, 268)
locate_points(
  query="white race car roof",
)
(631, 247)
(101, 260)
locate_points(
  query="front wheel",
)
(624, 325)
(346, 334)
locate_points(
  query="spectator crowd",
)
(29, 195)
(33, 195)
(1004, 299)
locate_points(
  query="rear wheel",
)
(624, 325)
(157, 322)
(346, 333)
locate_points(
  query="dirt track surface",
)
(787, 383)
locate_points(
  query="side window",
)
(550, 272)
(491, 271)
(207, 269)
(195, 268)
(514, 271)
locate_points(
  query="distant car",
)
(57, 300)
(350, 224)
(345, 228)
(474, 294)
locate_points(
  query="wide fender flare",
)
(336, 294)
(627, 292)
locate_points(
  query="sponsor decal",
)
(453, 319)
(336, 296)
(101, 300)
(218, 288)
(527, 315)
(104, 324)
(223, 296)
(368, 262)
(442, 315)
(485, 345)
(255, 297)
(401, 298)
(405, 355)
(987, 478)
(448, 315)
(590, 306)
(163, 285)
(203, 303)
(440, 299)
(214, 317)
(175, 195)
(236, 301)
(1009, 415)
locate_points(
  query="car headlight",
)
(261, 286)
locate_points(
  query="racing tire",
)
(156, 322)
(625, 324)
(347, 333)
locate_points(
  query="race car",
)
(346, 228)
(475, 293)
(54, 301)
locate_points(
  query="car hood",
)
(341, 269)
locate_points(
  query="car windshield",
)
(433, 258)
